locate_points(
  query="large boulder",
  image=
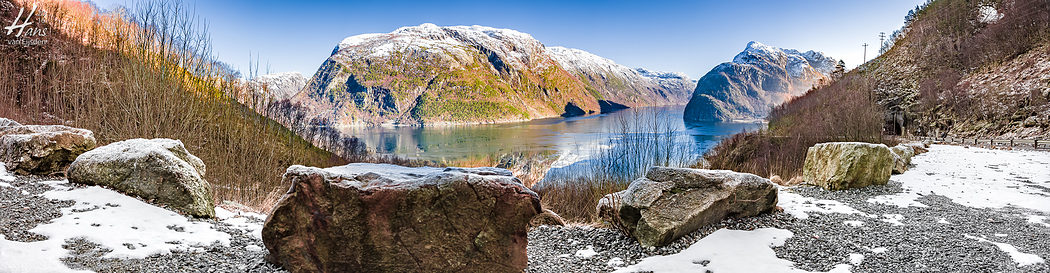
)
(161, 170)
(385, 218)
(901, 158)
(42, 149)
(669, 203)
(846, 165)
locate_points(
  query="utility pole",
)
(882, 43)
(865, 59)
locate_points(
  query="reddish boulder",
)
(385, 218)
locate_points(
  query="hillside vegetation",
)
(146, 73)
(428, 74)
(957, 68)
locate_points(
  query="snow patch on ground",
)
(798, 205)
(944, 221)
(976, 177)
(877, 250)
(1021, 258)
(240, 220)
(253, 248)
(1037, 219)
(129, 227)
(615, 262)
(988, 14)
(586, 252)
(728, 251)
(855, 258)
(5, 176)
(894, 219)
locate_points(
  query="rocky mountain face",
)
(970, 69)
(757, 79)
(429, 74)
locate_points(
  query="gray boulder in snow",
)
(161, 170)
(669, 203)
(41, 149)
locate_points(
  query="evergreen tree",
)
(840, 69)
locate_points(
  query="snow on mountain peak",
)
(582, 61)
(756, 53)
(450, 43)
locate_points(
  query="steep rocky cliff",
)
(757, 79)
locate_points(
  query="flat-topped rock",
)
(385, 218)
(161, 170)
(41, 149)
(847, 165)
(669, 203)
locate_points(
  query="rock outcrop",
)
(847, 165)
(386, 218)
(669, 203)
(161, 170)
(757, 79)
(41, 149)
(901, 158)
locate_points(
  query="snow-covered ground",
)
(729, 251)
(128, 227)
(976, 177)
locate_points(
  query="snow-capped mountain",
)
(429, 74)
(279, 86)
(638, 85)
(757, 79)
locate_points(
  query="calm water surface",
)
(571, 140)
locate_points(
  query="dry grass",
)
(842, 111)
(638, 143)
(147, 74)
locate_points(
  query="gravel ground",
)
(823, 240)
(21, 210)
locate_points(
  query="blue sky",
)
(682, 36)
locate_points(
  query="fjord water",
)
(566, 140)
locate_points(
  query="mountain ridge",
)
(432, 75)
(759, 78)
